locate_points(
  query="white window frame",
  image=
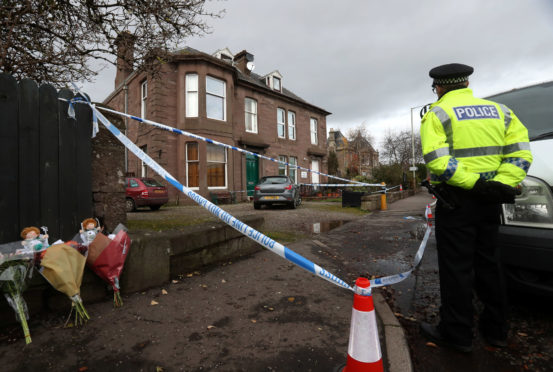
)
(226, 168)
(282, 158)
(279, 88)
(314, 131)
(292, 125)
(293, 161)
(252, 114)
(192, 94)
(143, 97)
(192, 161)
(281, 124)
(223, 97)
(143, 166)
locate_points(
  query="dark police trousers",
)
(466, 240)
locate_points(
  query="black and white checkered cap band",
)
(448, 81)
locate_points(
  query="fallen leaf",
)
(175, 281)
(154, 303)
(159, 369)
(163, 292)
(254, 321)
(431, 344)
(82, 369)
(210, 327)
(522, 334)
(291, 299)
(196, 273)
(189, 275)
(203, 285)
(223, 281)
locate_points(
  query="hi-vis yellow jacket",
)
(465, 138)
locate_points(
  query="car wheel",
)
(129, 205)
(256, 206)
(298, 201)
(155, 207)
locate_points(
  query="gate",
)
(45, 156)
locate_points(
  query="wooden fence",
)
(45, 157)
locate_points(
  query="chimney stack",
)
(125, 56)
(244, 62)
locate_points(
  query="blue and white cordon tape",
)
(208, 140)
(245, 229)
(224, 216)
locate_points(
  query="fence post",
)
(9, 161)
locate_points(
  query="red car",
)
(145, 192)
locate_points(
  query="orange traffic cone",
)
(429, 215)
(364, 354)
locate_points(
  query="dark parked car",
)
(276, 190)
(145, 192)
(526, 235)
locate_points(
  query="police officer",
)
(477, 152)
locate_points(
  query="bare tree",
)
(55, 40)
(397, 149)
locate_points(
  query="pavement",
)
(395, 341)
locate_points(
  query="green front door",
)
(252, 173)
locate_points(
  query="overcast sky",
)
(367, 62)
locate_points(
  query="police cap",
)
(452, 73)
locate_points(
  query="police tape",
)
(208, 140)
(250, 232)
(224, 216)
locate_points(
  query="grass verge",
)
(166, 224)
(285, 236)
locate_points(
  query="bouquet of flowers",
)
(107, 256)
(16, 266)
(63, 266)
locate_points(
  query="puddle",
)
(321, 227)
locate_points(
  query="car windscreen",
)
(532, 105)
(273, 180)
(150, 182)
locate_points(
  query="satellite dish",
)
(250, 66)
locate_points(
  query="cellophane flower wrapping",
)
(16, 268)
(63, 266)
(107, 257)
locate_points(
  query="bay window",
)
(216, 166)
(215, 99)
(192, 165)
(191, 95)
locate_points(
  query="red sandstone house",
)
(219, 97)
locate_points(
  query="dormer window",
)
(276, 83)
(224, 54)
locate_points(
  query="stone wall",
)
(108, 175)
(372, 202)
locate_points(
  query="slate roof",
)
(252, 78)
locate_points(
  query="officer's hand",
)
(506, 192)
(495, 192)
